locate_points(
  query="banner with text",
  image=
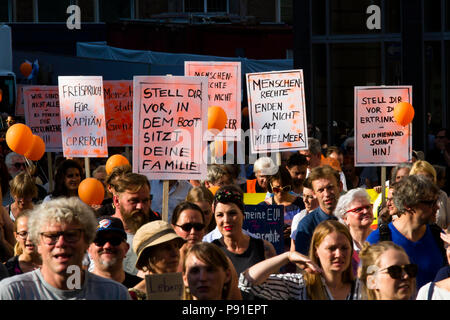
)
(266, 222)
(119, 112)
(224, 90)
(276, 103)
(83, 122)
(379, 139)
(169, 120)
(42, 115)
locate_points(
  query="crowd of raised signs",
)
(342, 239)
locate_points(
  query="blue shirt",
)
(306, 228)
(177, 193)
(425, 252)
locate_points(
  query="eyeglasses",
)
(396, 271)
(19, 165)
(100, 242)
(279, 189)
(70, 236)
(22, 234)
(188, 226)
(430, 203)
(359, 210)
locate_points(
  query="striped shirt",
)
(287, 286)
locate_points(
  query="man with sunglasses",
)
(108, 251)
(62, 229)
(415, 230)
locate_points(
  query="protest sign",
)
(119, 112)
(266, 222)
(42, 115)
(169, 119)
(224, 90)
(83, 122)
(164, 286)
(379, 139)
(276, 102)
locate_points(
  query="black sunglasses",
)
(188, 226)
(396, 271)
(100, 242)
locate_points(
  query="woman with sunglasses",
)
(386, 272)
(355, 211)
(67, 180)
(26, 258)
(327, 272)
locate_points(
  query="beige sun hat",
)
(152, 234)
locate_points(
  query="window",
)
(4, 11)
(206, 6)
(350, 17)
(53, 11)
(23, 11)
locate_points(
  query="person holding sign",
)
(157, 247)
(243, 250)
(331, 249)
(327, 188)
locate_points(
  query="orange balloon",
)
(403, 113)
(91, 191)
(220, 148)
(245, 111)
(26, 68)
(213, 189)
(19, 138)
(217, 118)
(36, 150)
(115, 161)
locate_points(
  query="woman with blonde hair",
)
(206, 273)
(327, 272)
(424, 168)
(23, 190)
(386, 272)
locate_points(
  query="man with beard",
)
(297, 165)
(327, 187)
(108, 250)
(132, 201)
(415, 230)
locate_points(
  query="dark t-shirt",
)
(131, 280)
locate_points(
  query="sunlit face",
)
(392, 209)
(309, 199)
(134, 201)
(205, 282)
(108, 255)
(22, 236)
(190, 217)
(261, 180)
(23, 203)
(313, 159)
(72, 179)
(338, 156)
(359, 214)
(229, 218)
(165, 257)
(66, 251)
(207, 211)
(327, 192)
(298, 174)
(388, 288)
(334, 252)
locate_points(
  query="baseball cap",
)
(107, 223)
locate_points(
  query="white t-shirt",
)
(438, 293)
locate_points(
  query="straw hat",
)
(152, 234)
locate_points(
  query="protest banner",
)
(224, 90)
(169, 117)
(276, 103)
(379, 139)
(266, 222)
(119, 112)
(83, 122)
(42, 115)
(164, 286)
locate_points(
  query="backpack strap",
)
(430, 290)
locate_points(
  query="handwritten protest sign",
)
(41, 106)
(119, 112)
(379, 139)
(165, 286)
(83, 122)
(224, 90)
(276, 103)
(169, 119)
(266, 222)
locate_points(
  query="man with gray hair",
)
(62, 230)
(263, 168)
